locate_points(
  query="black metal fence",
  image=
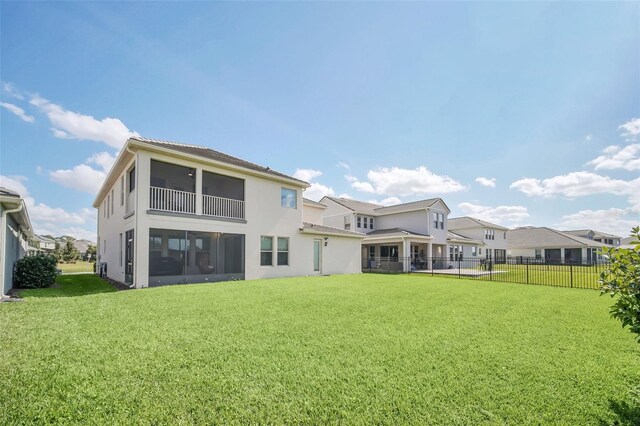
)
(580, 273)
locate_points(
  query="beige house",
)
(15, 232)
(493, 237)
(399, 237)
(552, 246)
(176, 213)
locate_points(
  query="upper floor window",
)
(438, 220)
(489, 234)
(358, 222)
(370, 223)
(132, 179)
(289, 198)
(122, 190)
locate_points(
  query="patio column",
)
(429, 256)
(199, 191)
(406, 253)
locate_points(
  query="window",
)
(122, 190)
(289, 198)
(455, 253)
(441, 216)
(108, 203)
(132, 179)
(112, 200)
(283, 251)
(474, 251)
(435, 220)
(390, 252)
(504, 235)
(104, 246)
(364, 224)
(359, 222)
(438, 220)
(538, 253)
(489, 234)
(121, 249)
(372, 252)
(370, 223)
(266, 251)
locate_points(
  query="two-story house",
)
(15, 232)
(177, 213)
(493, 237)
(600, 237)
(402, 236)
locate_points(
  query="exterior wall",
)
(110, 247)
(335, 215)
(439, 235)
(312, 214)
(14, 247)
(499, 243)
(415, 221)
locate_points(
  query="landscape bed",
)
(340, 349)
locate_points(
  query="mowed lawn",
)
(79, 266)
(391, 349)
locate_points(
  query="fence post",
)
(459, 265)
(527, 270)
(571, 273)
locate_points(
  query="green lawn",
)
(79, 266)
(557, 275)
(342, 349)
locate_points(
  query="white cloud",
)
(498, 215)
(390, 201)
(615, 221)
(575, 184)
(18, 111)
(73, 125)
(82, 178)
(306, 175)
(344, 165)
(488, 182)
(405, 182)
(52, 220)
(10, 90)
(102, 159)
(631, 129)
(614, 157)
(588, 138)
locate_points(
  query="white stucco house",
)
(15, 232)
(177, 213)
(400, 237)
(598, 236)
(552, 246)
(492, 237)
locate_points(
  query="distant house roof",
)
(596, 234)
(8, 193)
(312, 228)
(371, 209)
(467, 222)
(458, 238)
(542, 237)
(313, 203)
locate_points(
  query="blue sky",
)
(518, 113)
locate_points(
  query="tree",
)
(57, 252)
(70, 252)
(90, 254)
(622, 279)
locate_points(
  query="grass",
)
(79, 266)
(555, 275)
(72, 285)
(341, 349)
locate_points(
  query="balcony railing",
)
(171, 200)
(222, 207)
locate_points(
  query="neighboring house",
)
(492, 236)
(45, 245)
(176, 213)
(600, 237)
(464, 252)
(15, 232)
(415, 230)
(552, 246)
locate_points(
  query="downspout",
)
(3, 224)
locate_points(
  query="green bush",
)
(35, 272)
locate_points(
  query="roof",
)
(596, 234)
(8, 193)
(467, 222)
(188, 150)
(397, 233)
(532, 237)
(210, 154)
(21, 216)
(313, 203)
(313, 228)
(452, 236)
(371, 209)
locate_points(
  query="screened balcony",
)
(173, 188)
(222, 196)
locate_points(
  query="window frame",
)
(284, 196)
(264, 251)
(279, 252)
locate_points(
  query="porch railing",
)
(222, 207)
(172, 200)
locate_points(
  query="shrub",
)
(622, 279)
(35, 272)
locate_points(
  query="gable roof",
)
(542, 237)
(596, 234)
(458, 238)
(313, 203)
(371, 209)
(467, 222)
(313, 228)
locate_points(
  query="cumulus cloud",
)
(498, 215)
(390, 201)
(82, 178)
(317, 190)
(614, 157)
(631, 129)
(18, 111)
(488, 182)
(52, 220)
(73, 125)
(400, 182)
(102, 159)
(575, 184)
(615, 221)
